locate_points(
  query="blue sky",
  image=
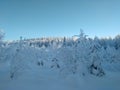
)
(42, 18)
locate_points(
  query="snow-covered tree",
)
(66, 56)
(95, 67)
(117, 42)
(83, 56)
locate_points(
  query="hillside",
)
(60, 64)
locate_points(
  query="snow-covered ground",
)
(49, 79)
(60, 64)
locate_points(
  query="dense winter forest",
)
(77, 55)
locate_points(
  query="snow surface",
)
(60, 64)
(44, 79)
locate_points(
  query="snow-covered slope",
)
(65, 64)
(48, 79)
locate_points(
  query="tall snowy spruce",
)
(95, 67)
(86, 51)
